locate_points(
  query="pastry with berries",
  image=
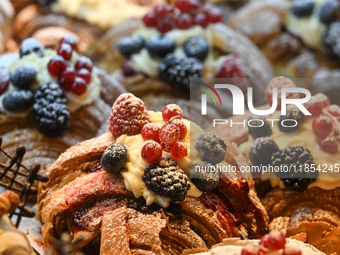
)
(50, 100)
(137, 180)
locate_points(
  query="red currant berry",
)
(5, 79)
(56, 66)
(232, 68)
(334, 110)
(165, 25)
(69, 39)
(187, 5)
(178, 150)
(184, 21)
(182, 128)
(162, 10)
(84, 62)
(336, 132)
(201, 19)
(274, 241)
(152, 152)
(79, 86)
(164, 147)
(69, 75)
(85, 74)
(291, 251)
(65, 50)
(150, 131)
(250, 250)
(316, 104)
(329, 145)
(169, 134)
(214, 15)
(126, 68)
(150, 19)
(322, 125)
(65, 84)
(170, 111)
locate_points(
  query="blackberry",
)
(178, 71)
(114, 158)
(295, 159)
(260, 127)
(167, 179)
(261, 151)
(331, 40)
(293, 113)
(51, 109)
(329, 11)
(204, 176)
(211, 148)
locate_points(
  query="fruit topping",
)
(167, 179)
(51, 109)
(331, 39)
(298, 162)
(178, 151)
(303, 8)
(130, 45)
(273, 241)
(279, 83)
(165, 25)
(65, 50)
(56, 66)
(150, 132)
(69, 39)
(197, 47)
(231, 68)
(162, 10)
(150, 19)
(169, 134)
(334, 110)
(259, 127)
(5, 79)
(160, 46)
(23, 77)
(128, 116)
(322, 125)
(18, 101)
(182, 128)
(204, 176)
(329, 144)
(85, 74)
(67, 78)
(316, 104)
(329, 11)
(84, 62)
(114, 158)
(79, 86)
(261, 151)
(184, 21)
(127, 69)
(178, 71)
(211, 148)
(152, 152)
(187, 5)
(30, 45)
(171, 111)
(213, 13)
(201, 19)
(287, 123)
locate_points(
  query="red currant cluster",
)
(326, 122)
(273, 243)
(166, 138)
(71, 78)
(187, 14)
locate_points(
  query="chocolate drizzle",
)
(8, 179)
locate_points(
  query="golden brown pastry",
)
(6, 18)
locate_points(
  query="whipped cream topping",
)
(40, 65)
(134, 168)
(305, 137)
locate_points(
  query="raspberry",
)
(128, 116)
(316, 104)
(279, 83)
(232, 68)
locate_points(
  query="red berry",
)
(329, 145)
(85, 74)
(170, 111)
(162, 10)
(214, 15)
(152, 152)
(169, 134)
(316, 104)
(5, 79)
(334, 110)
(164, 147)
(165, 25)
(69, 39)
(56, 66)
(65, 50)
(178, 150)
(184, 21)
(322, 125)
(291, 251)
(150, 132)
(84, 62)
(250, 250)
(67, 78)
(201, 19)
(128, 116)
(65, 84)
(150, 19)
(79, 86)
(279, 83)
(182, 128)
(274, 241)
(126, 68)
(187, 5)
(232, 68)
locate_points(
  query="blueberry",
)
(331, 40)
(114, 158)
(256, 131)
(204, 176)
(262, 150)
(130, 45)
(197, 47)
(18, 101)
(23, 77)
(30, 45)
(293, 113)
(160, 46)
(329, 11)
(302, 8)
(211, 148)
